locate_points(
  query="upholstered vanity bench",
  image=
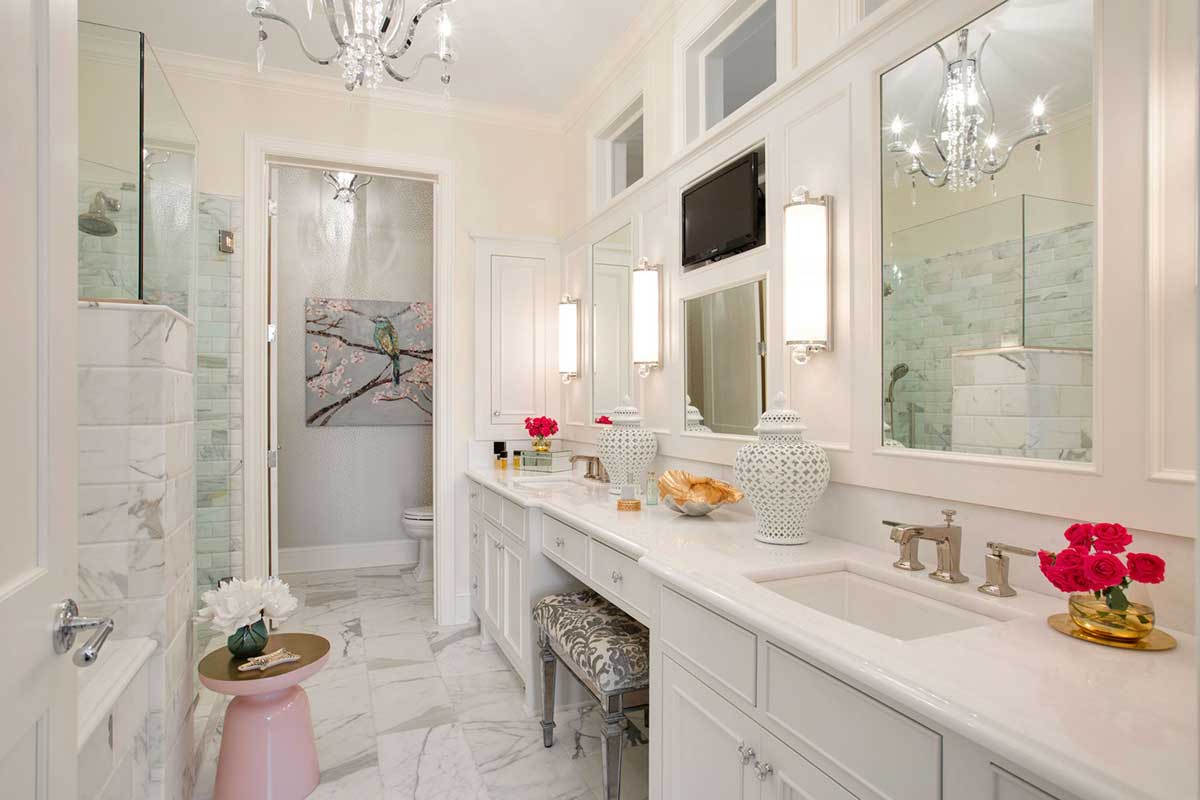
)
(609, 652)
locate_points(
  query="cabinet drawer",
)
(887, 754)
(727, 652)
(1006, 786)
(512, 518)
(475, 495)
(492, 503)
(621, 576)
(565, 544)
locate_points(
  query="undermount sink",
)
(875, 605)
(547, 482)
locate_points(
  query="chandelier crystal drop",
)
(370, 35)
(963, 127)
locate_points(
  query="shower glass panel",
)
(137, 151)
(987, 322)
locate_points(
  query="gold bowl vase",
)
(541, 444)
(1096, 618)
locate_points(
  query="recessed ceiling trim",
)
(236, 72)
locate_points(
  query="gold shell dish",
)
(694, 495)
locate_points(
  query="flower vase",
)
(541, 444)
(1094, 616)
(249, 640)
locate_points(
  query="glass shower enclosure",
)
(137, 175)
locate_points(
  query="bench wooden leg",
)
(549, 669)
(611, 741)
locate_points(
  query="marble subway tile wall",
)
(108, 265)
(219, 551)
(136, 502)
(976, 299)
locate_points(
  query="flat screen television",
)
(723, 214)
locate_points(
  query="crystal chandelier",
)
(370, 35)
(963, 127)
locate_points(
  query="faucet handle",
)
(996, 567)
(948, 515)
(1000, 548)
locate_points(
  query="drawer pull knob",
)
(617, 577)
(558, 541)
(747, 753)
(763, 770)
(474, 583)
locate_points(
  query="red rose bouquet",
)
(541, 429)
(603, 419)
(1095, 561)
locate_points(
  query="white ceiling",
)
(526, 54)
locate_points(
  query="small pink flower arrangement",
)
(1090, 563)
(541, 429)
(603, 419)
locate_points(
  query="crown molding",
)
(629, 49)
(192, 65)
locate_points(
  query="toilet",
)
(418, 523)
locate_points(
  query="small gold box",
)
(629, 505)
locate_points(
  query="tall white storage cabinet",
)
(515, 281)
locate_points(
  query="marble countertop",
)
(1099, 722)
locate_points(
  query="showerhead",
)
(95, 221)
(898, 372)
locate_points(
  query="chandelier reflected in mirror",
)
(346, 184)
(963, 127)
(370, 35)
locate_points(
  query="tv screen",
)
(722, 214)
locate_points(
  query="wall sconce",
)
(568, 339)
(646, 312)
(808, 274)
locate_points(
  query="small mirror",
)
(612, 262)
(726, 380)
(988, 237)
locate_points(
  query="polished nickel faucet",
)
(595, 468)
(996, 563)
(948, 539)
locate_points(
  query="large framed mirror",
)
(726, 367)
(988, 212)
(612, 263)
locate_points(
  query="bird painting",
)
(387, 341)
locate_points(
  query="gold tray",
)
(1156, 640)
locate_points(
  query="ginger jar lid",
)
(626, 414)
(780, 420)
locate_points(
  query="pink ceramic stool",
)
(267, 748)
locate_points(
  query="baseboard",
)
(353, 555)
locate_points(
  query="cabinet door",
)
(787, 775)
(1006, 786)
(707, 744)
(513, 608)
(492, 563)
(517, 389)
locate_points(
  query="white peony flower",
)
(233, 605)
(278, 603)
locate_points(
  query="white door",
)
(272, 377)
(38, 438)
(787, 775)
(708, 746)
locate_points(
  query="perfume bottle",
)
(651, 489)
(516, 459)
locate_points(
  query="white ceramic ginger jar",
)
(693, 419)
(626, 448)
(782, 475)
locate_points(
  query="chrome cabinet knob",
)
(747, 753)
(617, 577)
(474, 583)
(764, 770)
(558, 542)
(495, 413)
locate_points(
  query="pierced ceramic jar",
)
(783, 475)
(625, 447)
(694, 420)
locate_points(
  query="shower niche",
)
(137, 165)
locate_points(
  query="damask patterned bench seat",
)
(609, 652)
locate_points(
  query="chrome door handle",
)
(747, 753)
(763, 770)
(67, 623)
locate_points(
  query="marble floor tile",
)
(402, 703)
(402, 655)
(487, 696)
(382, 616)
(429, 764)
(470, 656)
(339, 692)
(515, 766)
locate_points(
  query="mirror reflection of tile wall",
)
(989, 264)
(726, 366)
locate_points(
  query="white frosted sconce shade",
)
(568, 339)
(646, 314)
(808, 275)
